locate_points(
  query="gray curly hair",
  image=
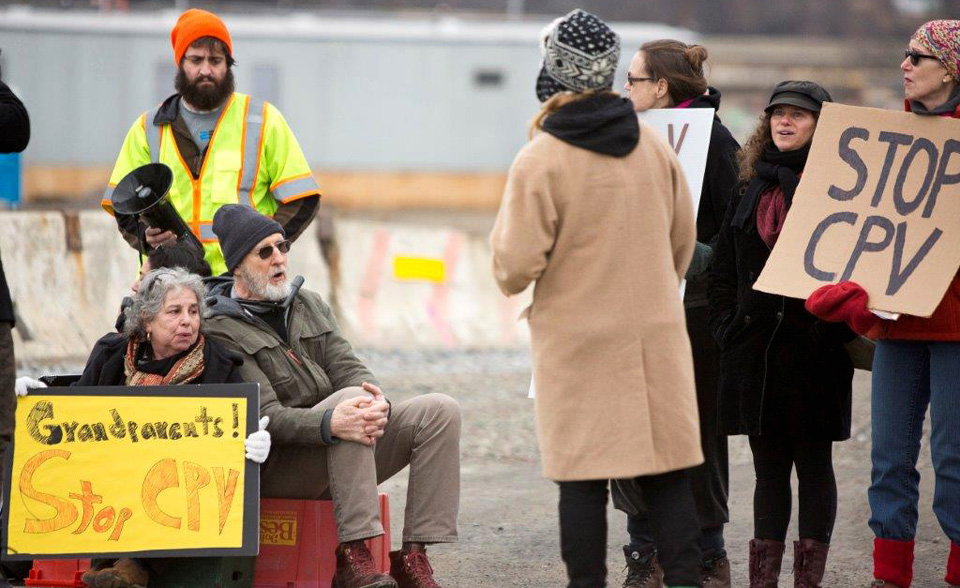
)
(154, 288)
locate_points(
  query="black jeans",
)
(773, 459)
(673, 518)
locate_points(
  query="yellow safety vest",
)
(253, 158)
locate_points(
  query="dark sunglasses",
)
(916, 56)
(266, 252)
(632, 80)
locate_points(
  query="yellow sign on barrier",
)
(118, 470)
(419, 269)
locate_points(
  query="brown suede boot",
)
(411, 569)
(809, 563)
(356, 568)
(765, 559)
(124, 573)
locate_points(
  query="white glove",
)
(258, 444)
(25, 383)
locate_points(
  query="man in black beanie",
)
(327, 412)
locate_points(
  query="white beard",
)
(260, 287)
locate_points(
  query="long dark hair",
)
(681, 65)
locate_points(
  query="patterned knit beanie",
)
(942, 38)
(580, 52)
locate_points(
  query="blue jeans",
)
(907, 377)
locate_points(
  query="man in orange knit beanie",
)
(223, 146)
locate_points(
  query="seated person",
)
(334, 433)
(162, 344)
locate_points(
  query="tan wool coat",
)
(606, 240)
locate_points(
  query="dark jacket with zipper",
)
(294, 374)
(782, 370)
(719, 182)
(105, 366)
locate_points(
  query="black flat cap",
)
(804, 94)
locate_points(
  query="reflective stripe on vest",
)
(253, 131)
(290, 189)
(153, 134)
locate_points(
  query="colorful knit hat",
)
(580, 52)
(942, 38)
(195, 24)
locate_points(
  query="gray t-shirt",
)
(201, 124)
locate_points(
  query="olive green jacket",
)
(296, 374)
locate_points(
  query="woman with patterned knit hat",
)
(917, 361)
(597, 214)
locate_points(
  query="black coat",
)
(719, 183)
(14, 122)
(781, 368)
(105, 365)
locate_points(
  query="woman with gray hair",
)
(161, 345)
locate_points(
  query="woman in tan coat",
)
(597, 213)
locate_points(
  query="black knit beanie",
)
(239, 229)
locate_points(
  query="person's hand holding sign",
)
(24, 384)
(258, 443)
(845, 302)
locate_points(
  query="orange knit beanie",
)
(195, 24)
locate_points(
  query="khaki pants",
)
(423, 432)
(8, 400)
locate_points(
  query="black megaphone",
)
(142, 193)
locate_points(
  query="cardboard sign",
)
(155, 470)
(878, 204)
(688, 131)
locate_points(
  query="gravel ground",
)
(508, 521)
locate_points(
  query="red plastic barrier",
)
(297, 543)
(298, 539)
(58, 573)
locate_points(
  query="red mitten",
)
(844, 302)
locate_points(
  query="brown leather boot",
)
(124, 573)
(643, 569)
(411, 569)
(765, 559)
(356, 568)
(715, 573)
(809, 563)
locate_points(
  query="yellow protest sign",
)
(127, 470)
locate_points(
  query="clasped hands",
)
(361, 419)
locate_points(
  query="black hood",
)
(709, 100)
(605, 123)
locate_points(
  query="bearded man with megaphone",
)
(223, 147)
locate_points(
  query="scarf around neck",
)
(187, 368)
(774, 168)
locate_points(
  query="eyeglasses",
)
(266, 252)
(916, 56)
(632, 80)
